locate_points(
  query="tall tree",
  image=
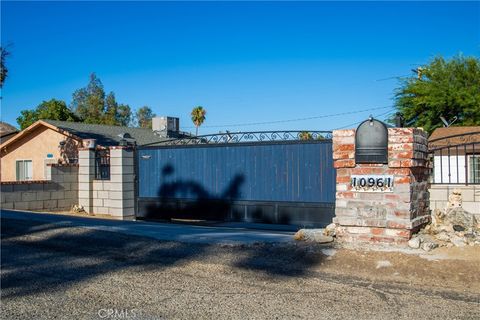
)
(198, 117)
(89, 102)
(3, 68)
(111, 110)
(442, 88)
(48, 110)
(93, 106)
(124, 115)
(144, 117)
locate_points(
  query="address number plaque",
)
(372, 183)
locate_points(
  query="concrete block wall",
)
(113, 197)
(58, 194)
(86, 173)
(439, 194)
(382, 217)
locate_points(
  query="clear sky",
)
(245, 62)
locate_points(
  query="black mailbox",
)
(371, 142)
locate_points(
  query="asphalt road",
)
(217, 233)
(71, 272)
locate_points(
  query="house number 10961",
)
(378, 183)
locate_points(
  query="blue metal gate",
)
(287, 179)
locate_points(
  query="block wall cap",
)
(344, 133)
(62, 164)
(25, 182)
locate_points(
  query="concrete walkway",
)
(156, 230)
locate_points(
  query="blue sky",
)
(245, 62)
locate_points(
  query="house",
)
(7, 131)
(27, 155)
(455, 154)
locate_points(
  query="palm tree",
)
(198, 116)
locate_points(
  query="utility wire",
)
(358, 122)
(290, 120)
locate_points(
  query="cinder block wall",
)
(58, 194)
(439, 194)
(113, 197)
(385, 217)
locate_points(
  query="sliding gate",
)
(261, 177)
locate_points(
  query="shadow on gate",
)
(203, 204)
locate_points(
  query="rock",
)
(459, 218)
(315, 235)
(299, 235)
(437, 217)
(443, 236)
(455, 199)
(428, 246)
(76, 208)
(458, 241)
(470, 238)
(415, 243)
(330, 230)
(320, 238)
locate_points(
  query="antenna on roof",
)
(447, 124)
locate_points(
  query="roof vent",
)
(126, 139)
(125, 135)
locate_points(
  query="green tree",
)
(447, 88)
(144, 117)
(198, 117)
(3, 67)
(124, 115)
(111, 110)
(48, 110)
(93, 106)
(89, 102)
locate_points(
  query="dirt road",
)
(78, 273)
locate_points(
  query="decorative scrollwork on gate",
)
(249, 137)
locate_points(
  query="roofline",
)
(33, 126)
(9, 134)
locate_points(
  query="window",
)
(102, 165)
(24, 170)
(474, 169)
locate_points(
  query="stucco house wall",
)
(34, 146)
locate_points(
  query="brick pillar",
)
(86, 174)
(382, 216)
(122, 183)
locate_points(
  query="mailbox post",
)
(382, 183)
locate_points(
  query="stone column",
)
(390, 216)
(86, 174)
(122, 183)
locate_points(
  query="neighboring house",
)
(7, 131)
(455, 152)
(456, 155)
(26, 156)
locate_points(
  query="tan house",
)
(26, 156)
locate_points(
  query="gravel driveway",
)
(70, 272)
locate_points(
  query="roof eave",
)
(33, 126)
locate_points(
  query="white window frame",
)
(16, 171)
(471, 169)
